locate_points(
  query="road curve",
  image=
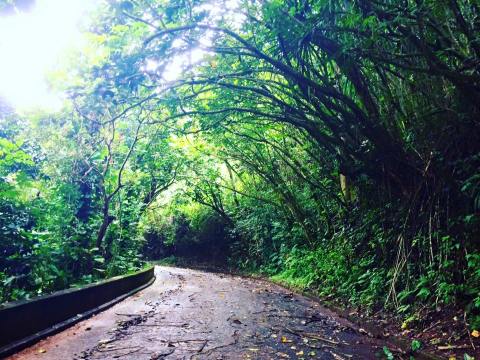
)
(190, 314)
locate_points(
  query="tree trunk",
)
(345, 186)
(105, 223)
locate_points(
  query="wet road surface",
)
(190, 314)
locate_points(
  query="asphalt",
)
(190, 314)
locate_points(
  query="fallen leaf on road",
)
(105, 341)
(41, 351)
(365, 332)
(452, 347)
(285, 340)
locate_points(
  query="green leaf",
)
(99, 259)
(416, 345)
(388, 353)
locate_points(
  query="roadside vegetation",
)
(331, 145)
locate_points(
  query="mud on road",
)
(189, 314)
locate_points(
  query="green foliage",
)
(332, 145)
(416, 345)
(388, 354)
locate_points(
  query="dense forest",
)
(331, 145)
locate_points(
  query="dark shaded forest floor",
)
(442, 332)
(191, 314)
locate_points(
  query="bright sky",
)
(31, 44)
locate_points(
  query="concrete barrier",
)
(24, 322)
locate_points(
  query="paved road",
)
(189, 314)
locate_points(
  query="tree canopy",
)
(330, 144)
